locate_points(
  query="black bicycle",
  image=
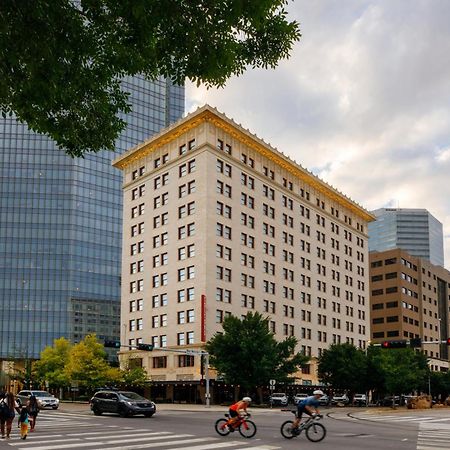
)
(314, 431)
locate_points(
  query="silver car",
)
(44, 399)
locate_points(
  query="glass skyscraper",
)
(413, 230)
(61, 225)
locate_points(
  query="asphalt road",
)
(187, 427)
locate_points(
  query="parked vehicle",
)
(324, 400)
(299, 397)
(340, 399)
(44, 399)
(279, 398)
(124, 403)
(360, 400)
(390, 401)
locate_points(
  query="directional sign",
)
(272, 382)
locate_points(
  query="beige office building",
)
(410, 298)
(218, 222)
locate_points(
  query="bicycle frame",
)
(241, 421)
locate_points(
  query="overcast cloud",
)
(364, 101)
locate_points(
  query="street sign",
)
(272, 382)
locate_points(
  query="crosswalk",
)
(68, 431)
(404, 418)
(433, 436)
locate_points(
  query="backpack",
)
(4, 410)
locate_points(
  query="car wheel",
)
(124, 413)
(96, 411)
(148, 414)
(54, 407)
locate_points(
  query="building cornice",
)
(208, 114)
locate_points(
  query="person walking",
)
(24, 422)
(7, 413)
(33, 410)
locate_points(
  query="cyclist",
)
(236, 410)
(309, 406)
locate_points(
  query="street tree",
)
(134, 376)
(87, 365)
(246, 353)
(50, 368)
(405, 370)
(62, 61)
(344, 367)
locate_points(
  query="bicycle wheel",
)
(286, 429)
(316, 432)
(221, 428)
(247, 429)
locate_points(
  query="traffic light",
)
(448, 341)
(145, 347)
(112, 344)
(394, 344)
(415, 342)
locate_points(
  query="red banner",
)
(203, 318)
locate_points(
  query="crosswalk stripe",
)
(421, 447)
(209, 446)
(107, 442)
(151, 437)
(164, 444)
(260, 447)
(142, 430)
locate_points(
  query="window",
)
(223, 252)
(223, 231)
(186, 361)
(247, 200)
(223, 168)
(186, 168)
(159, 362)
(247, 180)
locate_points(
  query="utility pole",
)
(207, 394)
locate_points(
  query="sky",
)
(363, 102)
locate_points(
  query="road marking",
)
(433, 436)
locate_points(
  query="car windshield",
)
(41, 394)
(132, 396)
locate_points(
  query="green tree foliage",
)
(394, 371)
(405, 370)
(344, 367)
(61, 61)
(87, 365)
(51, 365)
(246, 353)
(135, 376)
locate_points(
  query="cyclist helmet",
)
(247, 399)
(318, 392)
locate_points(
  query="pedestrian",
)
(33, 410)
(24, 422)
(8, 408)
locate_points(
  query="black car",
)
(124, 403)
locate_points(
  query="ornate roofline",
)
(208, 114)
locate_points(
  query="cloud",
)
(363, 101)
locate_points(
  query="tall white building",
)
(218, 222)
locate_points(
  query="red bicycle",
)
(246, 427)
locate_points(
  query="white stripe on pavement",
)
(159, 433)
(209, 446)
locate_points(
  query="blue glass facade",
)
(413, 230)
(60, 228)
